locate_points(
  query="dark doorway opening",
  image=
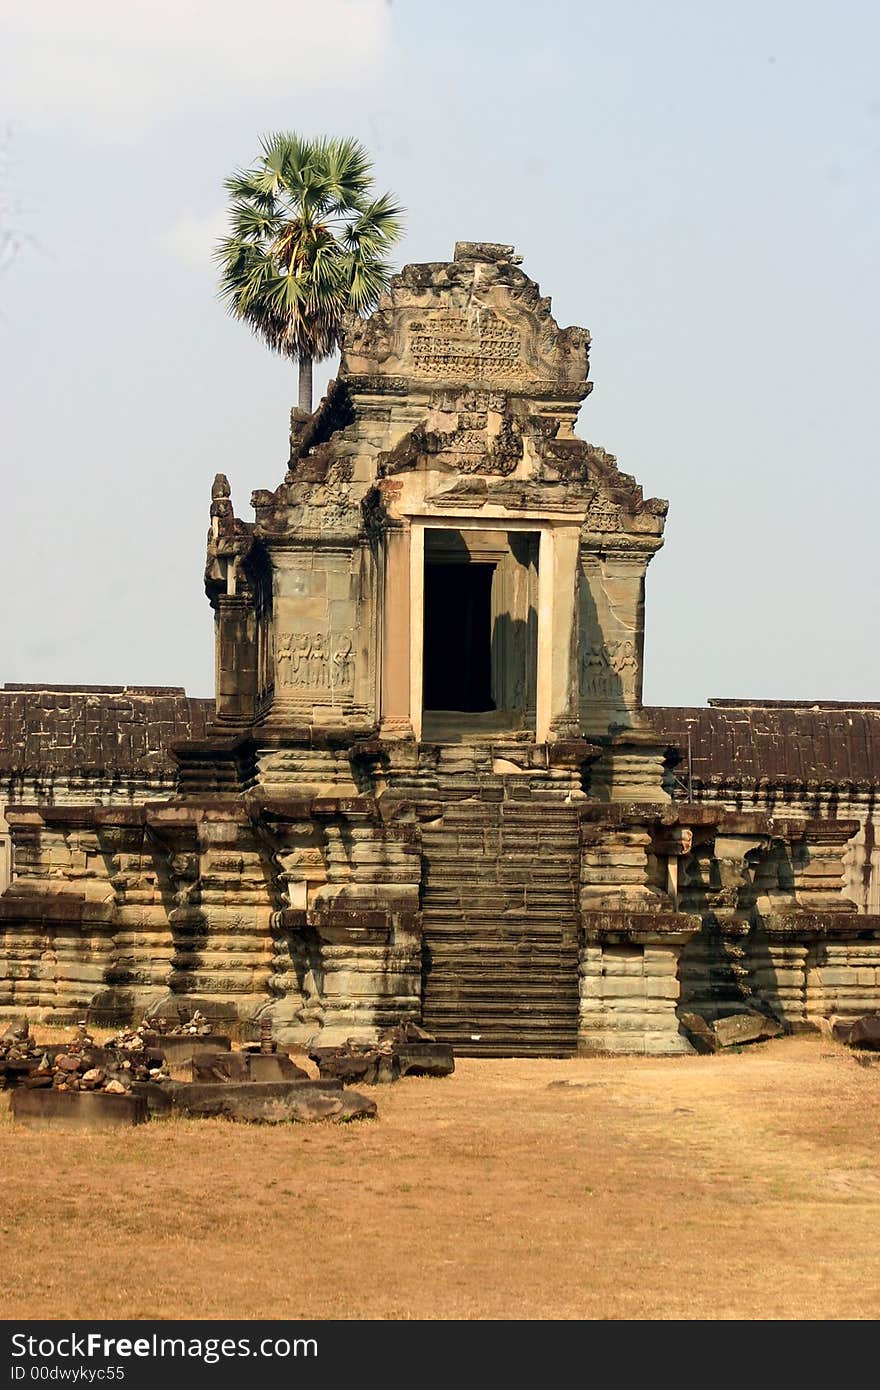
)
(458, 637)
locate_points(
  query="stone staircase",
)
(500, 926)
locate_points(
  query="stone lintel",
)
(816, 831)
(278, 732)
(639, 928)
(623, 814)
(18, 905)
(807, 925)
(50, 814)
(354, 923)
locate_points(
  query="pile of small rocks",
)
(16, 1044)
(195, 1026)
(82, 1065)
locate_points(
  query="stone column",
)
(778, 953)
(563, 694)
(236, 657)
(817, 855)
(224, 954)
(615, 863)
(843, 965)
(629, 986)
(143, 942)
(611, 619)
(395, 696)
(416, 625)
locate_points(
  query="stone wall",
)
(820, 760)
(92, 745)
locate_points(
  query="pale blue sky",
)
(696, 183)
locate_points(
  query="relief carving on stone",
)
(450, 344)
(609, 670)
(318, 661)
(602, 515)
(470, 445)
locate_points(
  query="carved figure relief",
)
(609, 671)
(602, 515)
(316, 660)
(450, 344)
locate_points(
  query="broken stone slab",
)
(182, 1047)
(699, 1033)
(425, 1058)
(738, 1029)
(260, 1102)
(212, 1066)
(863, 1033)
(77, 1110)
(274, 1066)
(370, 1068)
(406, 1032)
(240, 1066)
(735, 1030)
(299, 1055)
(163, 1097)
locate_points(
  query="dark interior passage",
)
(458, 637)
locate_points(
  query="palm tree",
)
(307, 245)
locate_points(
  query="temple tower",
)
(445, 561)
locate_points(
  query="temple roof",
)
(130, 729)
(99, 728)
(750, 742)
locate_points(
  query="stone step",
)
(500, 927)
(471, 935)
(459, 1008)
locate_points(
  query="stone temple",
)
(428, 788)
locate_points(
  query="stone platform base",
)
(77, 1110)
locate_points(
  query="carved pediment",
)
(477, 321)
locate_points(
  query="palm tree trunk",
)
(305, 384)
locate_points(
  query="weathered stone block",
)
(77, 1110)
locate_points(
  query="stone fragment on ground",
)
(425, 1058)
(299, 1055)
(863, 1033)
(62, 1107)
(242, 1066)
(406, 1050)
(366, 1067)
(262, 1102)
(699, 1032)
(734, 1030)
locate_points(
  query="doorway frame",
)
(418, 527)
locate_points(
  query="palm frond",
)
(308, 242)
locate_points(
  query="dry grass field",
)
(740, 1186)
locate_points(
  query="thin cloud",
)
(192, 237)
(128, 65)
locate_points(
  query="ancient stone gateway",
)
(429, 788)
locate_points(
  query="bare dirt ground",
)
(740, 1186)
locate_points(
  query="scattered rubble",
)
(406, 1050)
(79, 1065)
(187, 1069)
(80, 1084)
(18, 1053)
(195, 1025)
